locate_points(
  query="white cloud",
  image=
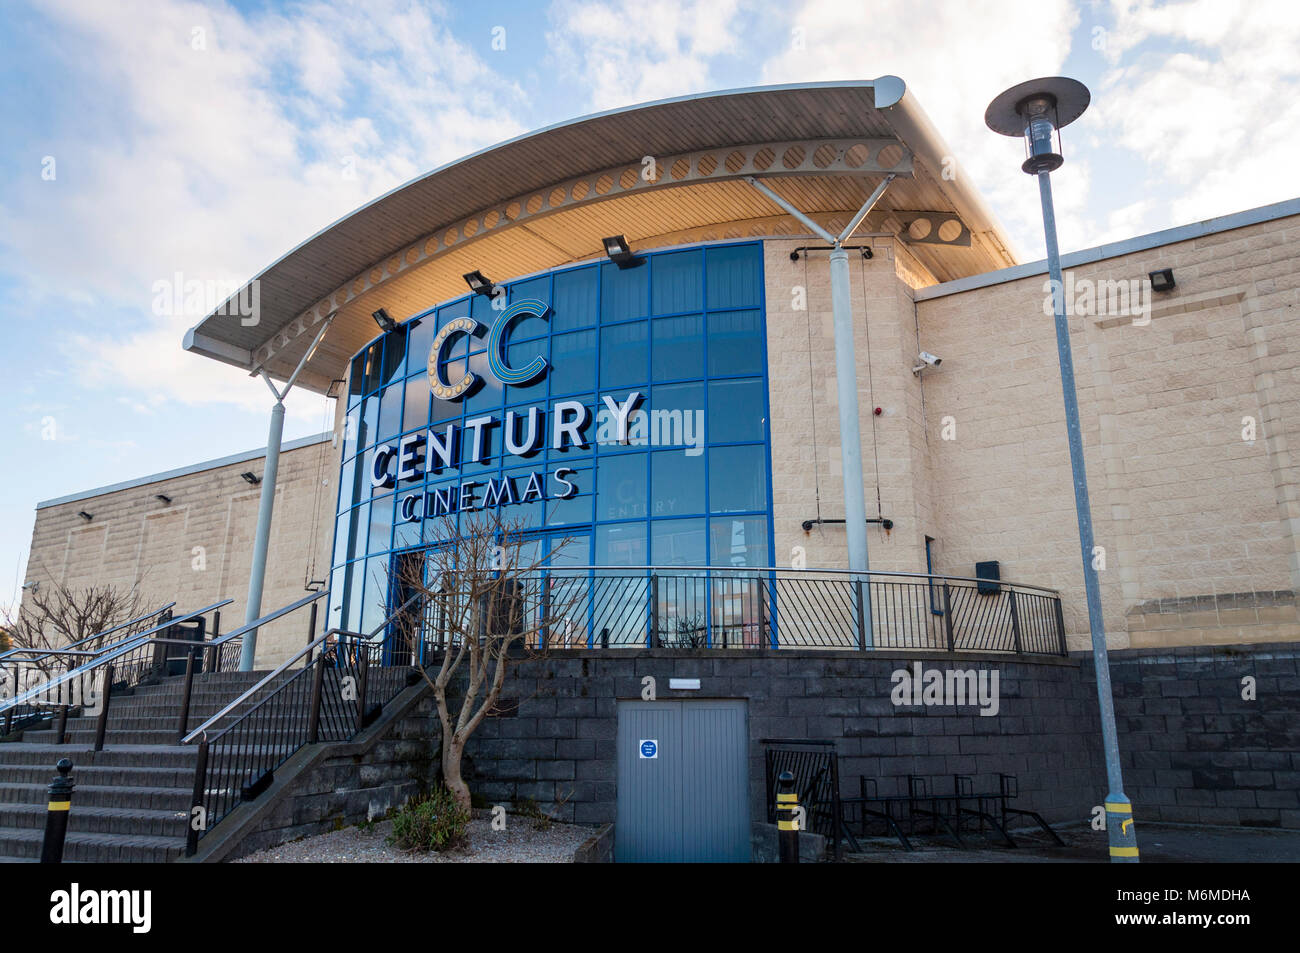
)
(1208, 95)
(630, 51)
(954, 57)
(213, 162)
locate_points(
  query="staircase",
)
(132, 800)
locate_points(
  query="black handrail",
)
(269, 677)
(726, 607)
(237, 760)
(98, 635)
(108, 654)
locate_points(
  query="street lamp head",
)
(1037, 110)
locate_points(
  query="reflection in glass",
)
(422, 332)
(736, 411)
(381, 524)
(677, 354)
(734, 276)
(676, 483)
(624, 292)
(415, 412)
(735, 343)
(574, 360)
(394, 355)
(678, 282)
(623, 355)
(390, 411)
(677, 542)
(575, 303)
(737, 479)
(373, 356)
(621, 487)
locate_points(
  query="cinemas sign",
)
(438, 450)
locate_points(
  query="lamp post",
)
(1036, 110)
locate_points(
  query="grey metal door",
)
(686, 798)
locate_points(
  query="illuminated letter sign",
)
(439, 386)
(496, 345)
(496, 351)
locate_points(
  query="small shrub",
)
(529, 808)
(435, 822)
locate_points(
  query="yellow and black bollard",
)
(56, 817)
(1123, 835)
(787, 809)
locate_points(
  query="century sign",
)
(435, 451)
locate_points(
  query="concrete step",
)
(123, 755)
(98, 819)
(143, 797)
(81, 847)
(178, 776)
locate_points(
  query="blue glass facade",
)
(684, 330)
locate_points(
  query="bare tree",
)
(487, 604)
(53, 615)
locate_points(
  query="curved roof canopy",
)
(664, 173)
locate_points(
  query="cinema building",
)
(619, 331)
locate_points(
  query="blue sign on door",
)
(649, 749)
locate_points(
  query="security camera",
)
(927, 360)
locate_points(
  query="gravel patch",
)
(519, 843)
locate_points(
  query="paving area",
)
(1159, 843)
(521, 842)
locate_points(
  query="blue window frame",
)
(691, 486)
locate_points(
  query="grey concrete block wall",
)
(347, 788)
(558, 745)
(1193, 749)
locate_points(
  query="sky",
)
(151, 139)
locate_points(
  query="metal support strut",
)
(846, 380)
(265, 506)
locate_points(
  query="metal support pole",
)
(846, 381)
(1015, 621)
(184, 719)
(846, 385)
(363, 676)
(313, 717)
(262, 536)
(101, 724)
(56, 815)
(197, 821)
(787, 808)
(654, 610)
(1119, 812)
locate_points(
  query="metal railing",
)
(328, 691)
(339, 682)
(26, 667)
(93, 675)
(723, 608)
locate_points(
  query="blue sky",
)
(150, 137)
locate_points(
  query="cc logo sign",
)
(497, 364)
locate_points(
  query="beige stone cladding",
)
(1190, 422)
(806, 473)
(197, 549)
